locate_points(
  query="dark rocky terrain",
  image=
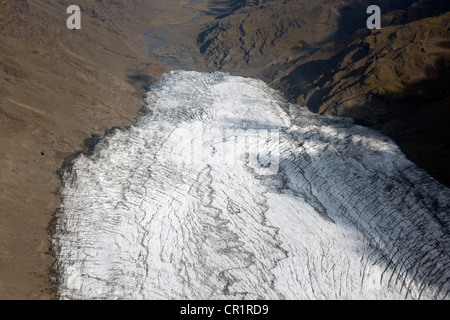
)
(320, 54)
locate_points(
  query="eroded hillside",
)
(57, 88)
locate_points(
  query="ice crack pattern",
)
(157, 213)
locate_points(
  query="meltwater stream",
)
(219, 193)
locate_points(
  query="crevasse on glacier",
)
(344, 216)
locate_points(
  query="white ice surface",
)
(171, 208)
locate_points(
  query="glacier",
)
(224, 190)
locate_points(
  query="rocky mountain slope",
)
(396, 80)
(321, 54)
(57, 88)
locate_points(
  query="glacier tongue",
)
(218, 193)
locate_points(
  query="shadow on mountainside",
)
(396, 80)
(417, 118)
(353, 16)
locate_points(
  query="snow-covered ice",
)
(225, 191)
